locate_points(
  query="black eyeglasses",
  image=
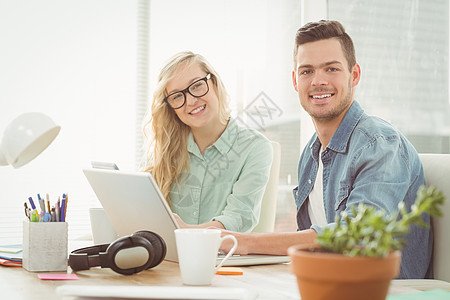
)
(198, 88)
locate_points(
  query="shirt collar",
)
(339, 140)
(192, 146)
(223, 143)
(228, 137)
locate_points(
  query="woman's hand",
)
(182, 224)
(212, 224)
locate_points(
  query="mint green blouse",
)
(227, 183)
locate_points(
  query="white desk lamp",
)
(25, 138)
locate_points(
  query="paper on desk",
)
(11, 249)
(10, 263)
(155, 292)
(57, 276)
(425, 295)
(11, 255)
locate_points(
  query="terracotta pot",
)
(322, 275)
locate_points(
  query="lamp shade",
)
(26, 137)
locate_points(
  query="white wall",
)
(249, 43)
(75, 61)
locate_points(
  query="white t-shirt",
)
(316, 209)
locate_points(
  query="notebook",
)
(133, 202)
(93, 292)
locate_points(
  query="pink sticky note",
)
(49, 276)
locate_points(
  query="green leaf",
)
(371, 232)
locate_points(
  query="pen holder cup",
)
(44, 246)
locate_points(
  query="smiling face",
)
(197, 112)
(323, 81)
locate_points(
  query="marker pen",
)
(33, 206)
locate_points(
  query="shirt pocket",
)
(341, 201)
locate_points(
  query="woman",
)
(211, 171)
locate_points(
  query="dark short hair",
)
(323, 30)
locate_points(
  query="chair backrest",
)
(437, 173)
(269, 201)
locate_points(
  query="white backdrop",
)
(74, 61)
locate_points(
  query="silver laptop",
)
(133, 202)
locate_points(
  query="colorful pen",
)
(47, 217)
(63, 208)
(53, 214)
(27, 210)
(41, 203)
(57, 211)
(33, 206)
(48, 202)
(34, 217)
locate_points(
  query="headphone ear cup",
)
(159, 246)
(123, 258)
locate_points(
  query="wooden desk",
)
(273, 281)
(270, 281)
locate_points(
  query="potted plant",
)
(357, 258)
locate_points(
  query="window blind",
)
(403, 48)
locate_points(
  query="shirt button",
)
(309, 181)
(195, 213)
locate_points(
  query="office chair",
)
(437, 173)
(269, 200)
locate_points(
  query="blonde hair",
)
(165, 134)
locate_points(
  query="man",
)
(351, 158)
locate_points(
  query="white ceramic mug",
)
(102, 229)
(197, 253)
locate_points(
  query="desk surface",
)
(269, 281)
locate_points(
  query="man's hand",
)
(272, 243)
(242, 238)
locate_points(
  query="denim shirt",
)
(369, 161)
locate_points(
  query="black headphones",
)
(127, 255)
